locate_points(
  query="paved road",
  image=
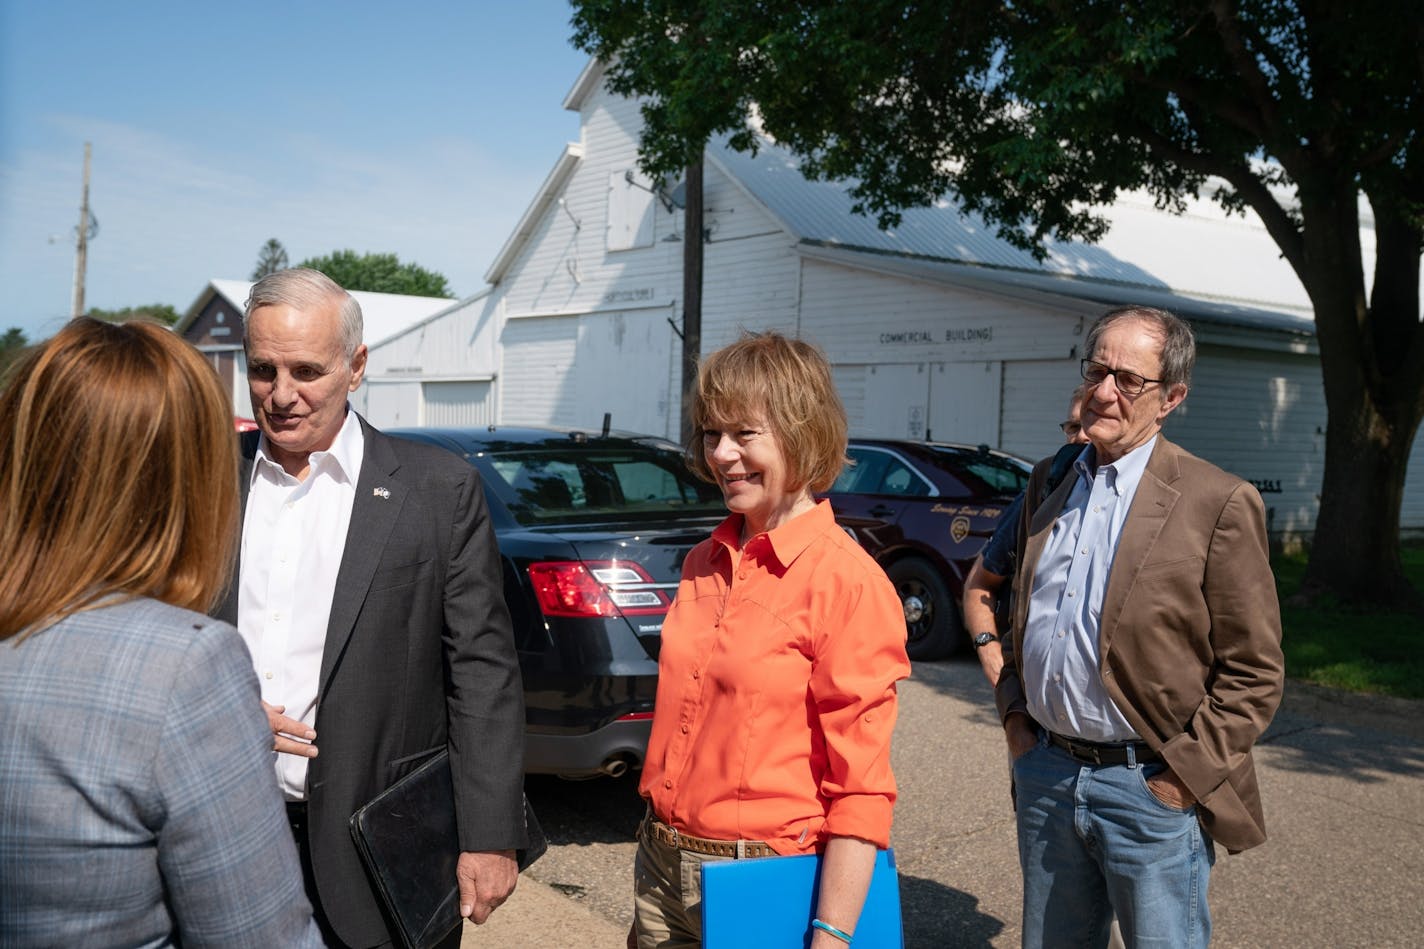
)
(1342, 778)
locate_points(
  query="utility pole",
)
(81, 249)
(692, 253)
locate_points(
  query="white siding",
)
(390, 404)
(1260, 416)
(568, 371)
(624, 367)
(1036, 394)
(850, 386)
(630, 210)
(565, 266)
(860, 316)
(1411, 515)
(538, 363)
(896, 401)
(456, 344)
(456, 404)
(964, 402)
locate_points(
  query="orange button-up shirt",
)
(776, 690)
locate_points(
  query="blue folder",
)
(769, 901)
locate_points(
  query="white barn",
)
(936, 330)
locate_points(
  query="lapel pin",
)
(383, 493)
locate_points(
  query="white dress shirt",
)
(293, 537)
(1062, 658)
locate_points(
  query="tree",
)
(12, 343)
(157, 312)
(1036, 114)
(270, 259)
(379, 273)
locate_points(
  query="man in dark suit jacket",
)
(1145, 660)
(370, 597)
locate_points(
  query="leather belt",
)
(1104, 752)
(676, 839)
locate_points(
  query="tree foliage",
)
(270, 259)
(1036, 114)
(379, 273)
(12, 343)
(157, 312)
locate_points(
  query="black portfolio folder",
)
(409, 842)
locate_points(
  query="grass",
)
(1348, 648)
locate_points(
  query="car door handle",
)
(882, 510)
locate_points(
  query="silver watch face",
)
(984, 639)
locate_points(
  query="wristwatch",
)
(984, 639)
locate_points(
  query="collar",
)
(789, 540)
(1122, 475)
(342, 460)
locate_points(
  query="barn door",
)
(964, 402)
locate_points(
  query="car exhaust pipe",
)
(615, 767)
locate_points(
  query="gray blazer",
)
(138, 805)
(419, 654)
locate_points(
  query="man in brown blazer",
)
(1144, 663)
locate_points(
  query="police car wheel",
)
(931, 616)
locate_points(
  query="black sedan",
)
(592, 532)
(923, 510)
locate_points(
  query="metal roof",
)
(1230, 266)
(383, 315)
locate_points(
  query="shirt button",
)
(1057, 677)
(1084, 551)
(696, 674)
(1062, 633)
(1097, 509)
(667, 784)
(742, 575)
(684, 729)
(276, 617)
(1062, 716)
(268, 675)
(1071, 593)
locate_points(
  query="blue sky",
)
(421, 129)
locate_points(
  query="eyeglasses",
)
(1071, 429)
(1128, 383)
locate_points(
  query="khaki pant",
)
(667, 895)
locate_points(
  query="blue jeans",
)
(1094, 841)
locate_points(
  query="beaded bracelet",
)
(828, 928)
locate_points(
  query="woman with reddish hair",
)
(776, 674)
(137, 800)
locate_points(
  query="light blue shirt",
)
(1061, 661)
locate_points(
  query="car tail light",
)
(595, 588)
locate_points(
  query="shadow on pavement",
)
(937, 915)
(1317, 730)
(600, 810)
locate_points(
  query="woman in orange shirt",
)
(776, 677)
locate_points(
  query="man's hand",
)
(290, 735)
(486, 878)
(1169, 789)
(1020, 734)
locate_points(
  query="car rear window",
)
(982, 472)
(541, 485)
